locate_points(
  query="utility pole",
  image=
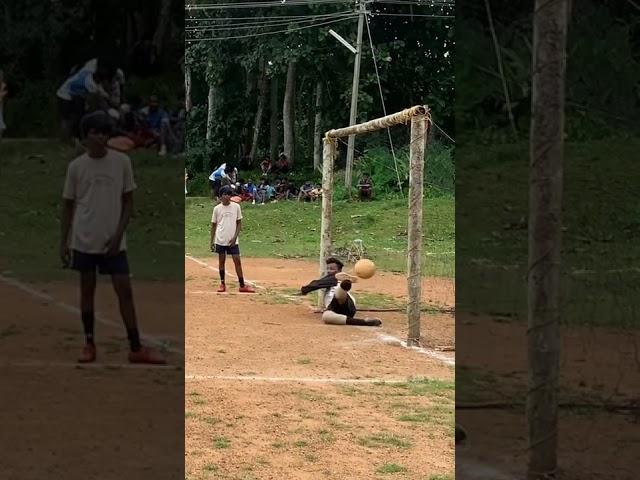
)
(354, 96)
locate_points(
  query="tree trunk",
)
(210, 112)
(245, 135)
(273, 131)
(187, 88)
(317, 136)
(288, 115)
(262, 100)
(545, 207)
(164, 17)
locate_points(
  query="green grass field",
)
(601, 220)
(291, 229)
(31, 180)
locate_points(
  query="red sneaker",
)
(88, 354)
(147, 355)
(222, 288)
(247, 289)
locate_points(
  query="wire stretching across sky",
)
(240, 5)
(258, 23)
(263, 19)
(288, 30)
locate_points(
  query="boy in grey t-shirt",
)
(97, 205)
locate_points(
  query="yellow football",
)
(365, 268)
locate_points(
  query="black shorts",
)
(347, 308)
(215, 187)
(89, 262)
(71, 111)
(225, 249)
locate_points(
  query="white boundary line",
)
(87, 366)
(76, 311)
(206, 265)
(391, 340)
(384, 338)
(254, 378)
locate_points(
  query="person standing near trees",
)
(215, 180)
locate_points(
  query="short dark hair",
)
(98, 121)
(334, 260)
(226, 190)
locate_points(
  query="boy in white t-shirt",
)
(226, 223)
(98, 201)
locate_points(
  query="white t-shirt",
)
(97, 185)
(225, 218)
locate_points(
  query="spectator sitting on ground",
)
(316, 192)
(250, 191)
(282, 165)
(261, 193)
(365, 187)
(305, 192)
(283, 190)
(156, 125)
(265, 166)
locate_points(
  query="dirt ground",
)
(598, 365)
(106, 421)
(273, 393)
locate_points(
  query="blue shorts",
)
(224, 249)
(89, 262)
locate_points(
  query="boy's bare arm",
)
(234, 240)
(213, 236)
(65, 223)
(125, 216)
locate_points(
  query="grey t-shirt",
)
(96, 185)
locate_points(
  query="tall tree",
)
(288, 114)
(262, 100)
(545, 231)
(317, 128)
(273, 121)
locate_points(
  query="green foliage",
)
(602, 72)
(41, 41)
(439, 174)
(599, 225)
(37, 104)
(233, 68)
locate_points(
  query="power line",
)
(269, 33)
(384, 108)
(240, 5)
(274, 18)
(378, 14)
(430, 3)
(250, 25)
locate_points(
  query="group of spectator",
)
(264, 191)
(97, 88)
